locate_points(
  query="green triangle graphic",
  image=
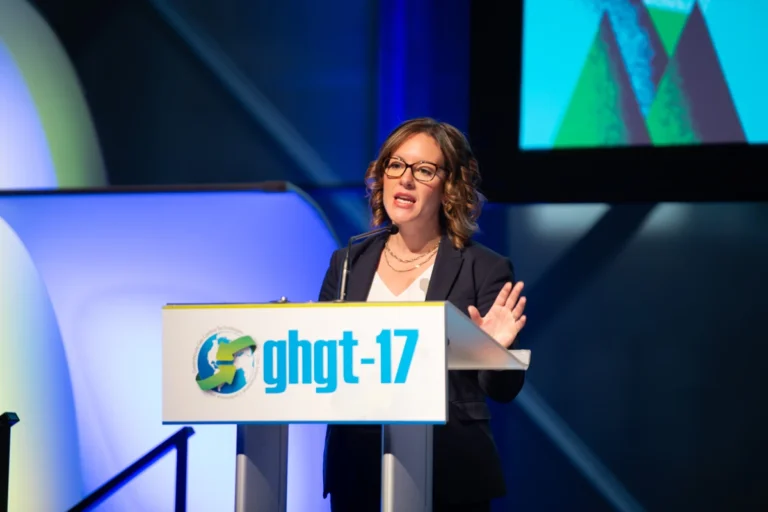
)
(669, 120)
(594, 116)
(669, 25)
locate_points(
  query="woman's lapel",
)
(447, 265)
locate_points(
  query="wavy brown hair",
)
(462, 200)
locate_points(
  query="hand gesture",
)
(505, 319)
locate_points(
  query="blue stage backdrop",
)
(84, 279)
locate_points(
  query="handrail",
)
(178, 441)
(7, 420)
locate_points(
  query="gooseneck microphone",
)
(392, 229)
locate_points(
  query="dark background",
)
(691, 173)
(646, 276)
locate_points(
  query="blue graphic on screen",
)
(643, 72)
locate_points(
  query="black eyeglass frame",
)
(407, 166)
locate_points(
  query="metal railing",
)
(179, 441)
(7, 420)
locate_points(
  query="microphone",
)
(392, 229)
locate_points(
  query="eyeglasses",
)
(422, 171)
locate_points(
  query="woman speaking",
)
(425, 182)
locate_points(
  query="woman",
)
(425, 181)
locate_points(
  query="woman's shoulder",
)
(483, 255)
(487, 265)
(372, 243)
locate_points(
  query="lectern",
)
(265, 366)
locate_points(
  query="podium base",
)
(406, 476)
(261, 479)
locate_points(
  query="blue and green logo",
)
(225, 362)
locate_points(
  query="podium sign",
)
(270, 365)
(305, 363)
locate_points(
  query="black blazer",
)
(466, 464)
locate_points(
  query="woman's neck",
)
(414, 239)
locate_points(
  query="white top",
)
(416, 292)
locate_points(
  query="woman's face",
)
(415, 197)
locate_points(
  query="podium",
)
(265, 366)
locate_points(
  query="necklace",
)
(418, 257)
(418, 265)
